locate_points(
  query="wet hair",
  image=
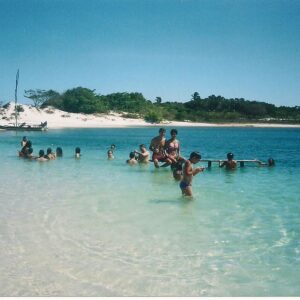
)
(230, 156)
(195, 154)
(109, 151)
(28, 144)
(271, 162)
(112, 146)
(41, 153)
(162, 130)
(174, 131)
(49, 150)
(30, 150)
(24, 138)
(59, 151)
(77, 150)
(142, 146)
(132, 155)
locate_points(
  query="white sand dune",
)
(61, 119)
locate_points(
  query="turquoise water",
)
(93, 227)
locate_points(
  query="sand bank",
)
(61, 119)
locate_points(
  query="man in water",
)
(42, 156)
(131, 160)
(50, 154)
(24, 141)
(110, 154)
(77, 152)
(143, 155)
(230, 164)
(189, 172)
(157, 147)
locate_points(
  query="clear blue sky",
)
(168, 48)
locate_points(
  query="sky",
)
(161, 48)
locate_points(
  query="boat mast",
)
(16, 97)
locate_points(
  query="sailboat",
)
(22, 126)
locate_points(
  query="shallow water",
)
(93, 227)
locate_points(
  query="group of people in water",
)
(164, 153)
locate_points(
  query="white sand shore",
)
(60, 119)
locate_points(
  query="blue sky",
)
(168, 48)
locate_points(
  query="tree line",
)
(134, 105)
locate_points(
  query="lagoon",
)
(93, 227)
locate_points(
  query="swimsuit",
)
(158, 156)
(183, 185)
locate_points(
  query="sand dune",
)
(60, 119)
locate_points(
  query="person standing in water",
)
(143, 155)
(131, 160)
(157, 147)
(230, 164)
(77, 152)
(41, 156)
(188, 173)
(24, 141)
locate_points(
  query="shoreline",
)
(58, 119)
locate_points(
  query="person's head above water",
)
(77, 150)
(113, 147)
(24, 138)
(59, 151)
(41, 153)
(132, 155)
(230, 156)
(271, 162)
(49, 151)
(195, 156)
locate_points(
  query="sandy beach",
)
(61, 119)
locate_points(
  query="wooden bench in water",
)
(240, 161)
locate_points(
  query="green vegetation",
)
(210, 109)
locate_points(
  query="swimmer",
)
(41, 156)
(29, 154)
(230, 164)
(189, 172)
(77, 152)
(131, 160)
(59, 152)
(24, 141)
(112, 147)
(110, 154)
(25, 148)
(270, 163)
(157, 147)
(143, 155)
(50, 154)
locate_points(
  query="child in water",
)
(189, 172)
(131, 160)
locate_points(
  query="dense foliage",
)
(210, 109)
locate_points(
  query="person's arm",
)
(198, 170)
(151, 147)
(222, 164)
